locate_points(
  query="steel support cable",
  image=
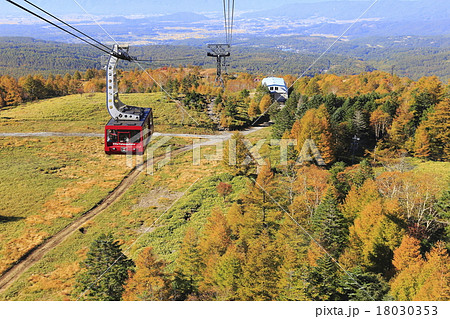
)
(228, 16)
(57, 26)
(225, 19)
(229, 26)
(232, 22)
(123, 55)
(73, 28)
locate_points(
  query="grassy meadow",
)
(191, 189)
(46, 183)
(49, 181)
(87, 113)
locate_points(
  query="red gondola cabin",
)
(129, 137)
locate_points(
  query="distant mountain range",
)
(384, 10)
(384, 18)
(327, 18)
(143, 7)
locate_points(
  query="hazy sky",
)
(144, 7)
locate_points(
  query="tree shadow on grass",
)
(6, 219)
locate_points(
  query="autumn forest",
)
(372, 223)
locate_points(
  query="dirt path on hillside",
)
(221, 136)
(34, 255)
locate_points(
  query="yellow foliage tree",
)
(438, 125)
(315, 125)
(379, 120)
(265, 103)
(358, 198)
(424, 279)
(400, 130)
(253, 109)
(407, 253)
(435, 276)
(149, 282)
(260, 274)
(405, 285)
(422, 142)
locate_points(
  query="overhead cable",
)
(59, 27)
(73, 28)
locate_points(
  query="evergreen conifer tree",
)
(330, 225)
(106, 270)
(323, 281)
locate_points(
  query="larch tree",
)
(405, 285)
(227, 275)
(260, 275)
(407, 253)
(422, 146)
(421, 279)
(402, 127)
(291, 270)
(434, 279)
(261, 194)
(358, 197)
(149, 282)
(214, 242)
(315, 126)
(438, 128)
(365, 234)
(10, 91)
(189, 269)
(265, 103)
(216, 235)
(431, 85)
(312, 88)
(237, 156)
(2, 97)
(253, 109)
(235, 218)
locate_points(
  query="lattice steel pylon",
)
(220, 52)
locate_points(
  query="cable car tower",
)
(222, 50)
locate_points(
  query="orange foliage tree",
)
(315, 125)
(379, 120)
(407, 253)
(438, 128)
(149, 282)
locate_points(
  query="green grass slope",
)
(87, 113)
